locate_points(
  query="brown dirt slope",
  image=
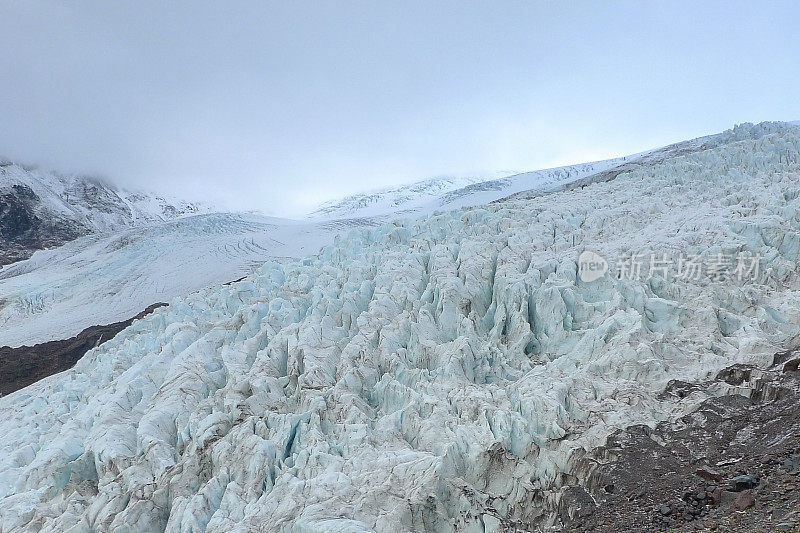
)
(19, 367)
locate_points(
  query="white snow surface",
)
(108, 277)
(438, 374)
(438, 194)
(93, 203)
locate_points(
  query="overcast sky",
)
(280, 105)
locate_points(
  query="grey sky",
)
(280, 105)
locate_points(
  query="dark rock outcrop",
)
(23, 231)
(20, 367)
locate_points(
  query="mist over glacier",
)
(432, 374)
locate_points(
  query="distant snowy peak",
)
(543, 180)
(396, 199)
(41, 209)
(436, 194)
(93, 202)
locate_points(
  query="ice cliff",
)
(429, 375)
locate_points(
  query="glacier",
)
(135, 257)
(107, 277)
(445, 193)
(435, 374)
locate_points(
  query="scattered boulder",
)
(735, 374)
(709, 473)
(744, 500)
(715, 496)
(740, 483)
(791, 465)
(727, 497)
(732, 467)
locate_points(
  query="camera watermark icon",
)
(591, 266)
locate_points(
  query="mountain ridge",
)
(42, 209)
(435, 194)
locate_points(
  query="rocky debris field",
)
(731, 466)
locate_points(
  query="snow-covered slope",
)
(439, 374)
(105, 278)
(428, 196)
(41, 209)
(438, 194)
(94, 203)
(396, 200)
